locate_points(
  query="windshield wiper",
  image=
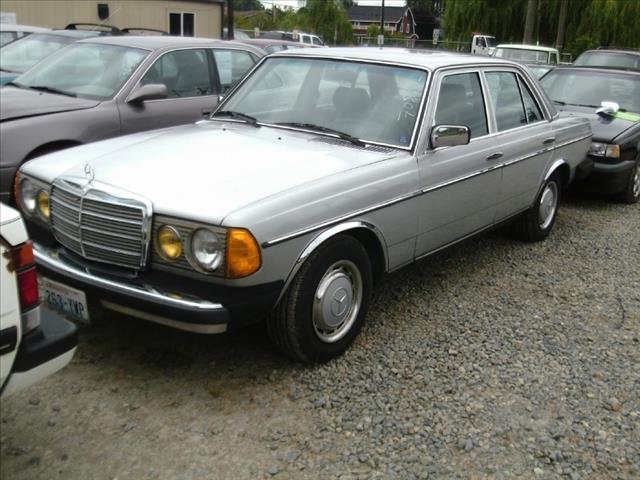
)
(7, 70)
(239, 116)
(320, 128)
(43, 88)
(559, 102)
(14, 84)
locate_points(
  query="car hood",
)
(20, 103)
(605, 129)
(206, 171)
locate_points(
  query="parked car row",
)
(347, 164)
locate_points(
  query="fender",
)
(326, 235)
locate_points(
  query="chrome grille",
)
(100, 226)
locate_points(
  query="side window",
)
(306, 39)
(460, 102)
(316, 41)
(554, 59)
(184, 72)
(232, 65)
(506, 100)
(530, 106)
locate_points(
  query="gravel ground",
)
(495, 359)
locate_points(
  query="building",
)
(396, 19)
(201, 18)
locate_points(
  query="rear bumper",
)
(43, 351)
(177, 302)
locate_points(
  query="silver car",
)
(108, 86)
(322, 170)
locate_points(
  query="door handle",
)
(549, 140)
(494, 156)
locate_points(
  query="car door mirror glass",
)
(151, 91)
(449, 136)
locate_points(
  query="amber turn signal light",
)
(243, 253)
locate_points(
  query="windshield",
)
(590, 88)
(522, 55)
(85, 70)
(373, 103)
(609, 59)
(23, 54)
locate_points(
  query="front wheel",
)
(536, 223)
(325, 305)
(631, 193)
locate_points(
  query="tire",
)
(631, 193)
(324, 308)
(536, 223)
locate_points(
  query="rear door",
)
(524, 136)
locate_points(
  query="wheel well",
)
(372, 245)
(565, 173)
(51, 147)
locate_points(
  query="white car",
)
(34, 341)
(10, 32)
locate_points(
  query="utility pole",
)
(382, 19)
(230, 34)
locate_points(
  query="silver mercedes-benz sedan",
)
(322, 170)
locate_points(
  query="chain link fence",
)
(464, 47)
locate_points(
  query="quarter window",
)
(530, 106)
(460, 102)
(184, 72)
(506, 100)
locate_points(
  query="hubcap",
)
(548, 205)
(636, 181)
(337, 301)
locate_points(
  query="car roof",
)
(166, 41)
(527, 47)
(77, 34)
(580, 68)
(13, 27)
(615, 51)
(431, 59)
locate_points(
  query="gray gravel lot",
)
(495, 359)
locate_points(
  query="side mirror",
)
(608, 109)
(220, 98)
(151, 91)
(449, 135)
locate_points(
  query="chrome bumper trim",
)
(48, 259)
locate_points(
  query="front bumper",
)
(607, 177)
(178, 302)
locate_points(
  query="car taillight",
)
(23, 263)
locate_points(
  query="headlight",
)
(43, 204)
(169, 243)
(206, 249)
(28, 193)
(603, 150)
(597, 149)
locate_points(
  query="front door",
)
(192, 87)
(461, 184)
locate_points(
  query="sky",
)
(298, 3)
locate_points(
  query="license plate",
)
(63, 298)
